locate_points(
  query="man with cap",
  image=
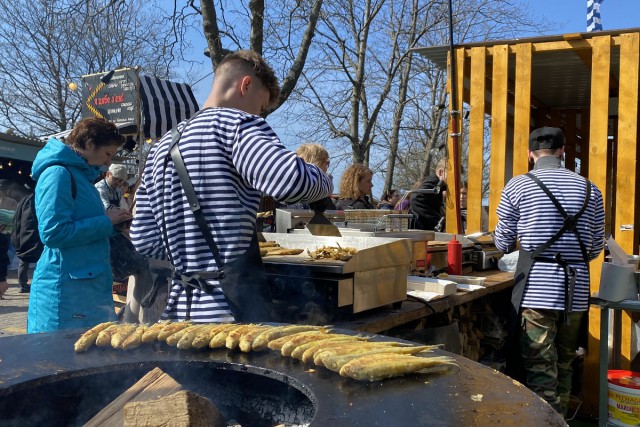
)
(110, 188)
(558, 218)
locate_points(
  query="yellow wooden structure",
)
(585, 83)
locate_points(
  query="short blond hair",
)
(350, 181)
(315, 154)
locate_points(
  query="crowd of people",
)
(196, 208)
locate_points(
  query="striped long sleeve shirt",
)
(526, 213)
(232, 157)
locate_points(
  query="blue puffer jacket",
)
(72, 283)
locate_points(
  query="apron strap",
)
(570, 221)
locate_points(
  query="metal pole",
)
(455, 115)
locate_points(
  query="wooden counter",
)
(382, 319)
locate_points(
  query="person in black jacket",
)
(355, 187)
(389, 199)
(429, 208)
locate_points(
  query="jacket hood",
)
(57, 152)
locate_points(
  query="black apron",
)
(243, 280)
(526, 260)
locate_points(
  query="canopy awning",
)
(164, 105)
(18, 147)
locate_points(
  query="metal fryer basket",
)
(382, 219)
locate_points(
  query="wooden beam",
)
(452, 192)
(499, 114)
(598, 133)
(476, 139)
(627, 162)
(627, 146)
(522, 113)
(549, 46)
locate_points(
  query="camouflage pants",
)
(548, 347)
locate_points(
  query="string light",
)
(73, 86)
(10, 164)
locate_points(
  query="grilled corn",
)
(88, 339)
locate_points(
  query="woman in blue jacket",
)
(72, 282)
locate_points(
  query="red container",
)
(454, 256)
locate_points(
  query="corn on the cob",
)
(247, 339)
(172, 328)
(121, 334)
(152, 332)
(88, 339)
(104, 337)
(135, 339)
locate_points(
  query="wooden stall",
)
(585, 83)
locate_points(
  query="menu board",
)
(114, 98)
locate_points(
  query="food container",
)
(623, 405)
(431, 284)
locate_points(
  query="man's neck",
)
(548, 162)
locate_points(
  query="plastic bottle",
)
(454, 257)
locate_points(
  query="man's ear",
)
(245, 84)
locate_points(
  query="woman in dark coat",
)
(355, 187)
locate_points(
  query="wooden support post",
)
(452, 218)
(476, 139)
(522, 113)
(600, 72)
(499, 111)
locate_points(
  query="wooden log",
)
(181, 409)
(153, 385)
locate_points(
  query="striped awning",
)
(164, 104)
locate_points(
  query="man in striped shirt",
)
(232, 156)
(558, 218)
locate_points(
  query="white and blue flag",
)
(594, 22)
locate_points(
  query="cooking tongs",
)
(319, 225)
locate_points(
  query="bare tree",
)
(282, 33)
(364, 46)
(370, 100)
(48, 44)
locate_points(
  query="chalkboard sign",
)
(114, 98)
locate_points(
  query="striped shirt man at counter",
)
(558, 217)
(232, 156)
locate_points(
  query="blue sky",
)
(571, 15)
